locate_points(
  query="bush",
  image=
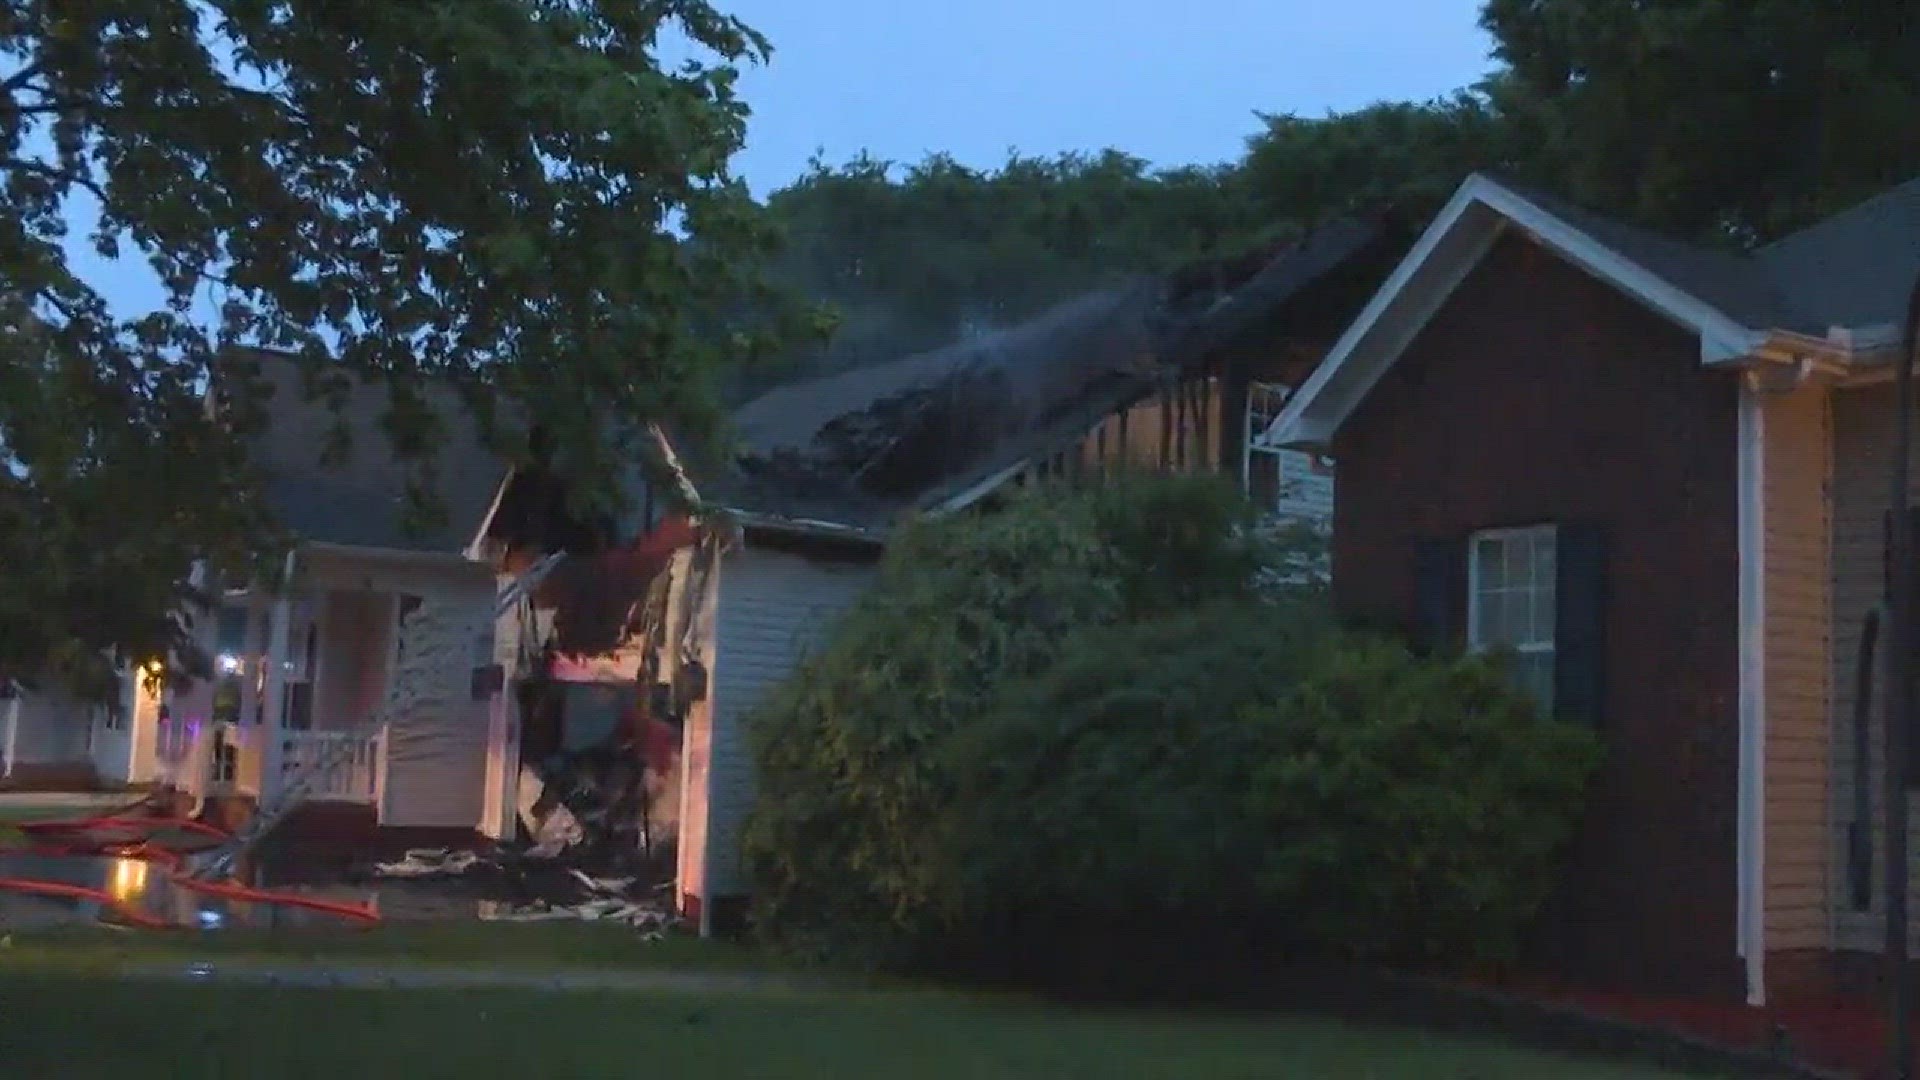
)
(1046, 729)
(848, 751)
(1330, 792)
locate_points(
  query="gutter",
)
(803, 526)
(384, 554)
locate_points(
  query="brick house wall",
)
(1539, 395)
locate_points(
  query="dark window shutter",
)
(1440, 587)
(1580, 630)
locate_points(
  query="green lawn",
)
(88, 949)
(69, 1026)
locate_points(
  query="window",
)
(1289, 484)
(1511, 601)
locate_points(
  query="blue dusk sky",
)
(1174, 83)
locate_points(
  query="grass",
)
(70, 1026)
(91, 949)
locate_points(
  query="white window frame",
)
(1536, 646)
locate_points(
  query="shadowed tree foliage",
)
(1408, 154)
(1734, 120)
(915, 257)
(518, 196)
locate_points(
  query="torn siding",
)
(437, 732)
(1797, 457)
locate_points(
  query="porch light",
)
(154, 668)
(129, 879)
(229, 664)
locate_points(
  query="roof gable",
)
(361, 501)
(1482, 210)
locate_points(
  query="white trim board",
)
(1458, 238)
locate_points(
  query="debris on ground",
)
(529, 888)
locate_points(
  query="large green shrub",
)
(1076, 719)
(1226, 768)
(849, 751)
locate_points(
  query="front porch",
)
(300, 679)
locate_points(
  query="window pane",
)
(1519, 561)
(1543, 612)
(1543, 560)
(1535, 672)
(299, 707)
(1518, 617)
(1489, 564)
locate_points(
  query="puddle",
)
(148, 888)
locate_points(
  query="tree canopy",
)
(914, 255)
(488, 192)
(1728, 120)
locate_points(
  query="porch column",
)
(9, 730)
(272, 730)
(253, 659)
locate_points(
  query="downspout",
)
(1751, 783)
(1900, 703)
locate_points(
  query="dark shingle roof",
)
(360, 500)
(1857, 267)
(1854, 269)
(1730, 282)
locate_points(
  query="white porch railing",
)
(218, 758)
(360, 775)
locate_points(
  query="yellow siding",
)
(1862, 439)
(1797, 458)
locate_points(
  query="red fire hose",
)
(132, 915)
(150, 824)
(173, 861)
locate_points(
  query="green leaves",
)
(1078, 716)
(854, 753)
(472, 190)
(1715, 119)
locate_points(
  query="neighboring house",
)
(376, 634)
(1658, 474)
(1159, 374)
(45, 738)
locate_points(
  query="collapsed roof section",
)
(858, 450)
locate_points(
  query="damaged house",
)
(389, 647)
(1171, 373)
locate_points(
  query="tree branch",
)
(48, 172)
(20, 78)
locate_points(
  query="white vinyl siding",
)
(773, 607)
